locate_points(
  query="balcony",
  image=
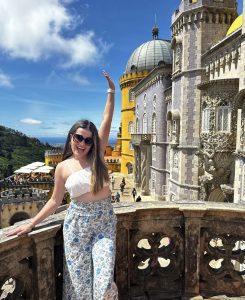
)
(165, 250)
(140, 138)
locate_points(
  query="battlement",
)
(209, 11)
(23, 195)
(133, 76)
(53, 152)
(11, 184)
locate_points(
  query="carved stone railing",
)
(138, 138)
(165, 250)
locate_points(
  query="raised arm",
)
(49, 208)
(105, 127)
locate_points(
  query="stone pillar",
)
(192, 252)
(43, 268)
(137, 170)
(143, 169)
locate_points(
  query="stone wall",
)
(164, 251)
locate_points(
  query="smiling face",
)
(80, 148)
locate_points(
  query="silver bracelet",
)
(110, 91)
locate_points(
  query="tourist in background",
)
(117, 197)
(134, 193)
(138, 199)
(122, 185)
(112, 182)
(90, 224)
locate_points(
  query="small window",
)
(174, 127)
(137, 127)
(153, 181)
(154, 150)
(130, 127)
(154, 121)
(223, 121)
(205, 118)
(176, 160)
(145, 100)
(131, 146)
(131, 95)
(154, 102)
(164, 190)
(144, 124)
(133, 68)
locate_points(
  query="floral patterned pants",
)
(89, 251)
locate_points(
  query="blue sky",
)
(52, 53)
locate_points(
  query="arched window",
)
(176, 160)
(154, 123)
(153, 181)
(205, 117)
(131, 96)
(223, 121)
(137, 127)
(174, 127)
(169, 125)
(144, 123)
(145, 100)
(130, 127)
(154, 103)
(154, 150)
(129, 167)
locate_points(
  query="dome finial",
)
(155, 30)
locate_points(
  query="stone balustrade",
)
(165, 250)
(138, 138)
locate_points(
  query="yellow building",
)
(53, 157)
(127, 82)
(142, 61)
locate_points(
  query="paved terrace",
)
(164, 251)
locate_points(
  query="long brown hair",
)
(99, 169)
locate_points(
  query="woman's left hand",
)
(110, 82)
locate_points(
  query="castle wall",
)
(21, 206)
(150, 102)
(196, 27)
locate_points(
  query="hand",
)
(110, 82)
(20, 230)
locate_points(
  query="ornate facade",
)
(193, 124)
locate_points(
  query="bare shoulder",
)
(61, 169)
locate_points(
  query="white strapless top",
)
(79, 182)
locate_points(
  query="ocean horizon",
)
(60, 141)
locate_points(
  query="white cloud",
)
(81, 80)
(5, 80)
(31, 121)
(32, 29)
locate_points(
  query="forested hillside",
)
(17, 150)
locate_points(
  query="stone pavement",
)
(127, 193)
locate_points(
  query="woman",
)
(90, 223)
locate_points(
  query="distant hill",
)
(17, 150)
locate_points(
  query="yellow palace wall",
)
(127, 82)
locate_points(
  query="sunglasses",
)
(79, 138)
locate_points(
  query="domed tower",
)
(143, 60)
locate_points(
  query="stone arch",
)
(19, 216)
